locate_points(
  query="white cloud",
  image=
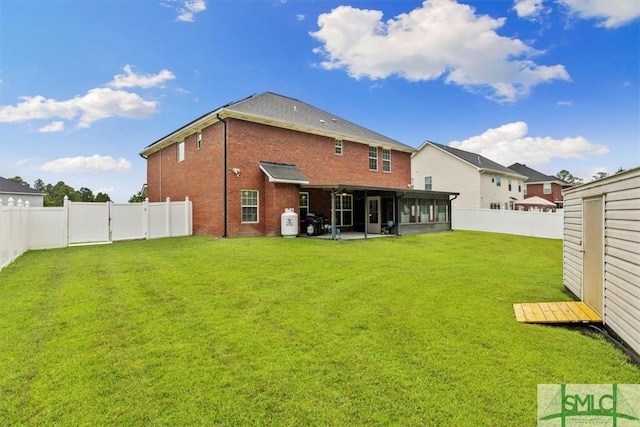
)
(56, 126)
(300, 17)
(101, 103)
(189, 9)
(611, 14)
(87, 164)
(509, 143)
(528, 8)
(106, 190)
(440, 39)
(96, 104)
(565, 103)
(131, 79)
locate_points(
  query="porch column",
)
(333, 214)
(366, 213)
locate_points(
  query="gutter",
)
(224, 173)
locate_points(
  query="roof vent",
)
(322, 121)
(294, 108)
(334, 120)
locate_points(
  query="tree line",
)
(54, 194)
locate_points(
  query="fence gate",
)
(88, 223)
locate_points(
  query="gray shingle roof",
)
(475, 159)
(534, 175)
(283, 111)
(293, 111)
(8, 186)
(281, 172)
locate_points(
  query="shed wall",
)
(621, 194)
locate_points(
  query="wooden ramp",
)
(556, 312)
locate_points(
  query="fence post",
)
(26, 214)
(146, 218)
(187, 216)
(65, 205)
(168, 216)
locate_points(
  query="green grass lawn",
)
(415, 330)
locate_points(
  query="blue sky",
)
(86, 85)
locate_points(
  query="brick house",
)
(246, 162)
(547, 187)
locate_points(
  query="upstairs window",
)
(337, 147)
(546, 189)
(428, 183)
(498, 180)
(198, 140)
(373, 158)
(386, 160)
(509, 183)
(519, 185)
(180, 151)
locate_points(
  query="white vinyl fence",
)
(23, 227)
(524, 223)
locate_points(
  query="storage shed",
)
(602, 250)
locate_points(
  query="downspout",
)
(224, 173)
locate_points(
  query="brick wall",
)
(200, 175)
(538, 190)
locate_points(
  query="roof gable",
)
(476, 160)
(282, 111)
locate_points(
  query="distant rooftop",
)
(12, 187)
(476, 160)
(535, 176)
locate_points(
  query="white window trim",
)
(372, 158)
(544, 188)
(180, 153)
(257, 206)
(386, 161)
(343, 196)
(198, 140)
(337, 147)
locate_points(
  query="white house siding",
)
(491, 193)
(621, 194)
(449, 173)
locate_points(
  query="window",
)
(337, 147)
(180, 151)
(373, 158)
(418, 210)
(428, 183)
(519, 185)
(546, 189)
(509, 183)
(249, 205)
(344, 210)
(386, 160)
(498, 180)
(304, 205)
(494, 206)
(198, 140)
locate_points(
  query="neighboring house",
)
(602, 250)
(548, 187)
(482, 183)
(11, 189)
(246, 162)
